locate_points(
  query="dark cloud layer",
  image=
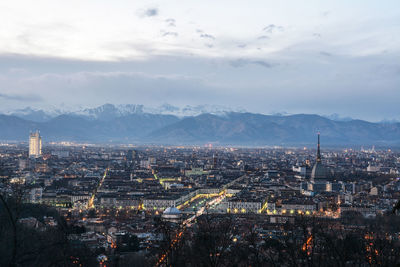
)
(300, 82)
(170, 22)
(164, 34)
(272, 28)
(208, 36)
(243, 62)
(263, 37)
(21, 98)
(149, 12)
(324, 53)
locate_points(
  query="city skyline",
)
(199, 133)
(108, 205)
(342, 59)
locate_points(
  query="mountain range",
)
(110, 111)
(193, 125)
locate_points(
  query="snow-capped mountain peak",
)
(111, 111)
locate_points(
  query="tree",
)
(212, 240)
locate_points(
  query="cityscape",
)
(199, 133)
(173, 205)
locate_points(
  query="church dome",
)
(171, 214)
(171, 211)
(318, 171)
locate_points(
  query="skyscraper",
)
(131, 155)
(35, 145)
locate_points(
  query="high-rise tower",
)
(215, 161)
(35, 145)
(318, 172)
(318, 151)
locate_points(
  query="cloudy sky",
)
(319, 57)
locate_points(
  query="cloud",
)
(170, 22)
(241, 45)
(205, 35)
(243, 62)
(272, 28)
(262, 63)
(164, 34)
(209, 45)
(24, 98)
(149, 12)
(17, 71)
(326, 13)
(263, 37)
(317, 35)
(258, 83)
(120, 87)
(208, 36)
(325, 54)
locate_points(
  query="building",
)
(131, 155)
(318, 172)
(35, 145)
(237, 206)
(172, 214)
(158, 203)
(298, 206)
(319, 175)
(272, 174)
(22, 164)
(60, 153)
(301, 170)
(247, 201)
(215, 161)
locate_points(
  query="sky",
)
(319, 57)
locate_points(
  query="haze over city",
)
(265, 57)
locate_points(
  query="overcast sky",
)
(318, 56)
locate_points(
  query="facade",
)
(35, 145)
(159, 204)
(296, 206)
(366, 210)
(244, 206)
(118, 202)
(35, 195)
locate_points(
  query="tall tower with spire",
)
(318, 172)
(318, 150)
